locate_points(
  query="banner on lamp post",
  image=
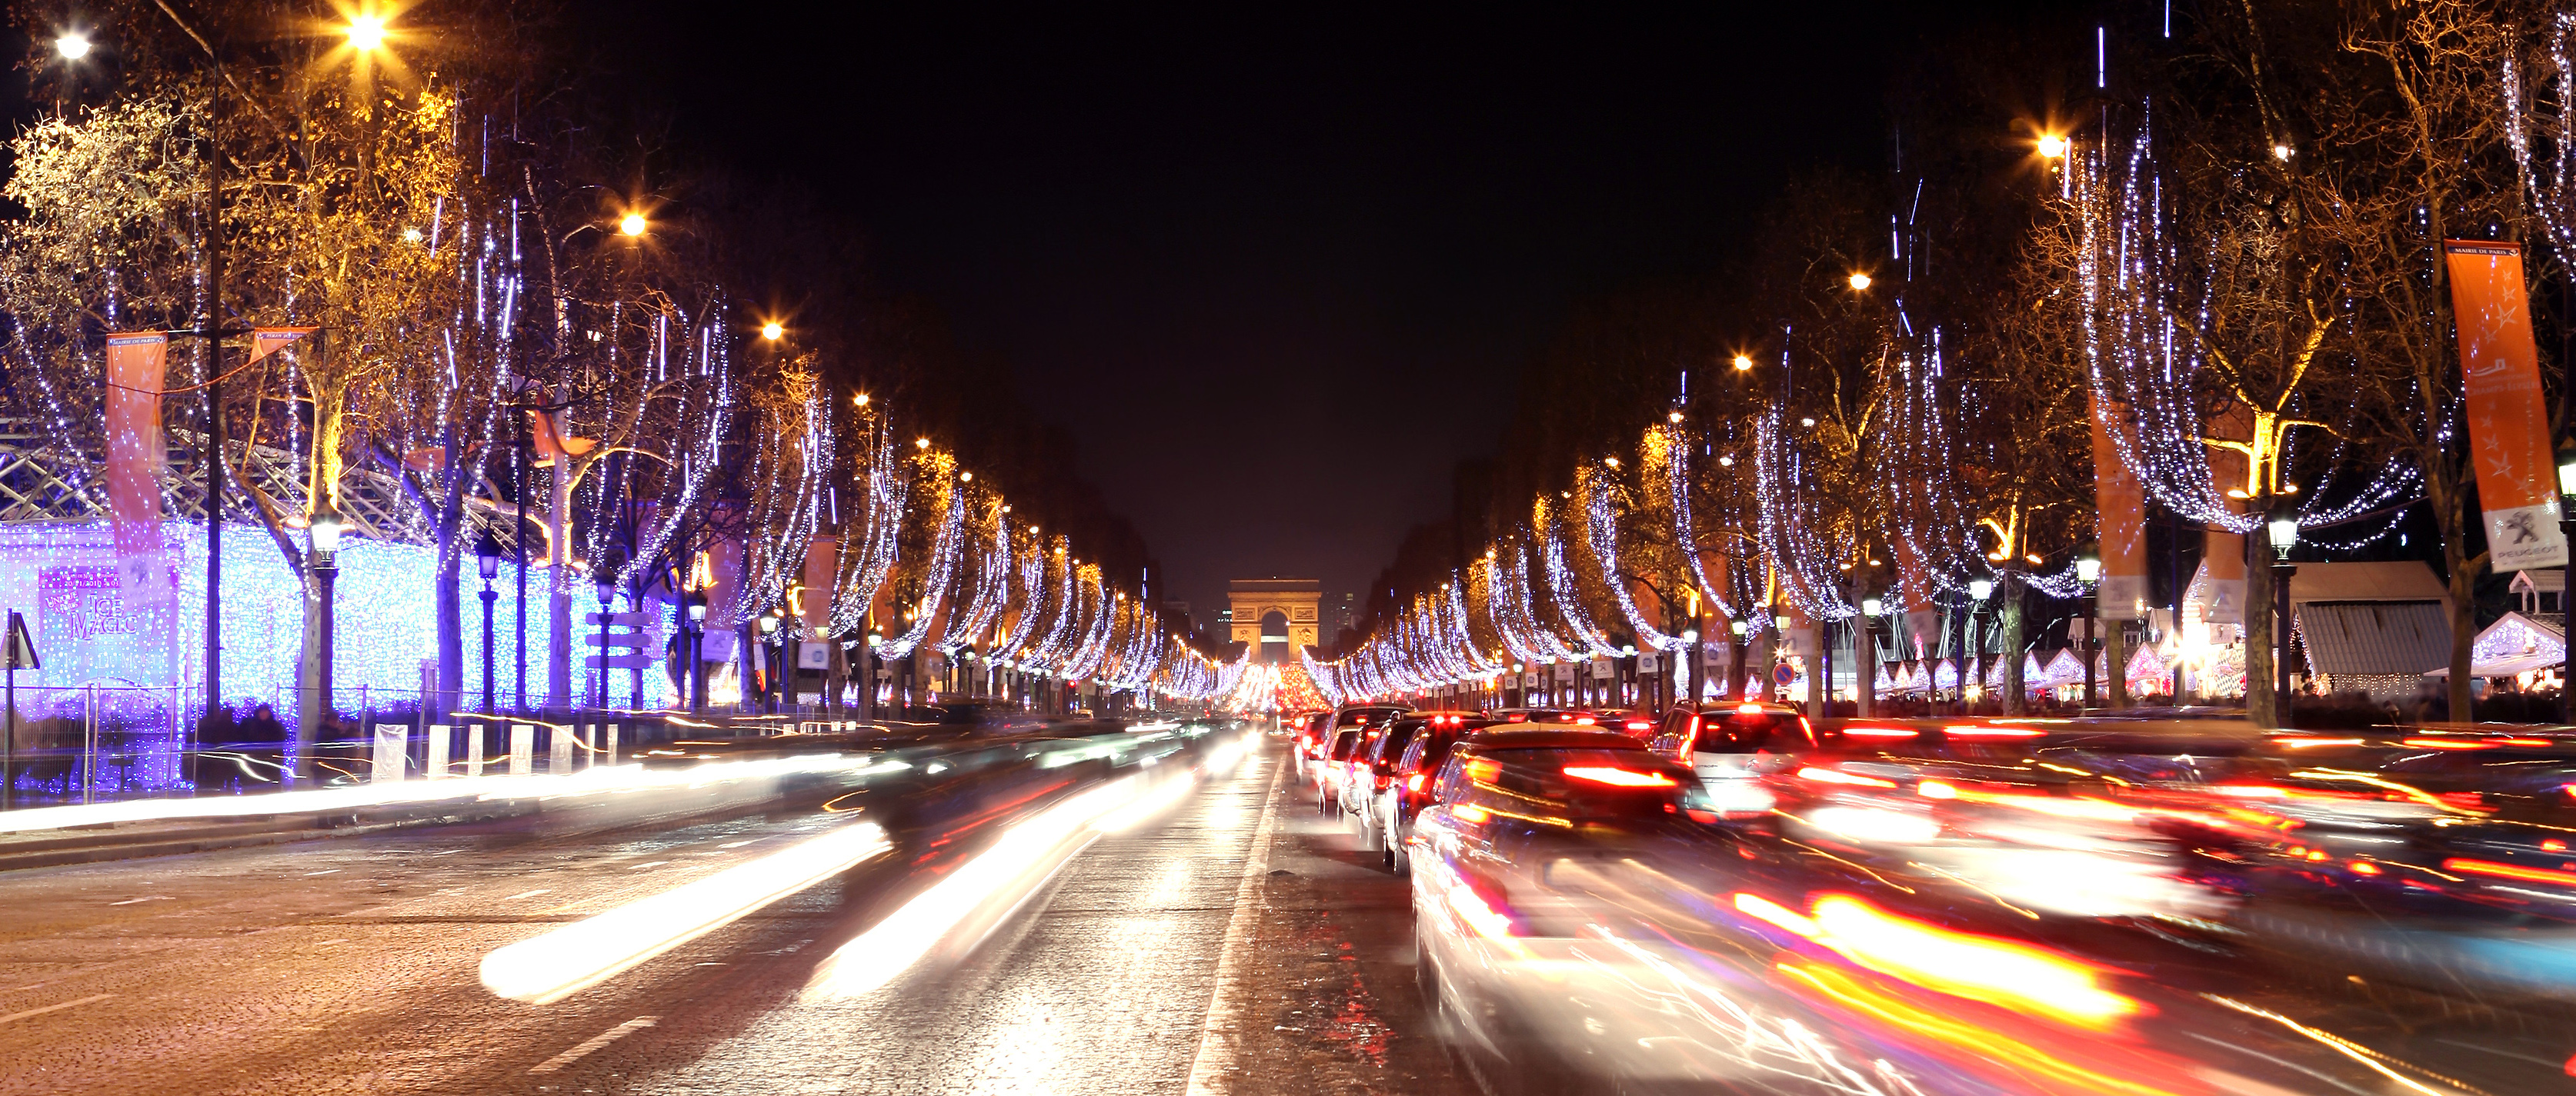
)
(2508, 422)
(136, 450)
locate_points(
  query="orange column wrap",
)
(2120, 522)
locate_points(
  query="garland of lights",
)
(944, 554)
(1601, 534)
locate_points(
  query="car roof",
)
(1546, 736)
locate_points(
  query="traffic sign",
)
(21, 649)
(619, 620)
(1784, 673)
(636, 661)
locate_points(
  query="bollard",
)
(559, 750)
(523, 749)
(438, 747)
(393, 747)
(474, 748)
(607, 747)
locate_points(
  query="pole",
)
(327, 570)
(2092, 640)
(9, 741)
(211, 323)
(488, 598)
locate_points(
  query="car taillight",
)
(1585, 721)
(1413, 783)
(1639, 725)
(1624, 778)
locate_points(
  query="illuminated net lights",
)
(1601, 535)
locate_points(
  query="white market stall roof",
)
(2514, 644)
(2373, 637)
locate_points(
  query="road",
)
(352, 966)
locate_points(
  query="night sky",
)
(1277, 272)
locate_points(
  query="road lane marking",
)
(1220, 1034)
(579, 1052)
(326, 871)
(529, 894)
(54, 1008)
(655, 864)
(145, 898)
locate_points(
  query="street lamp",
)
(604, 583)
(367, 33)
(1859, 281)
(2283, 525)
(2051, 146)
(633, 224)
(487, 562)
(773, 332)
(323, 533)
(72, 46)
(1980, 590)
(1743, 363)
(697, 651)
(2088, 572)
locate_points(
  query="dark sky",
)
(1278, 271)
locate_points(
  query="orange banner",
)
(269, 340)
(2508, 421)
(2120, 523)
(136, 451)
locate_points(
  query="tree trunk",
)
(451, 607)
(2464, 634)
(2262, 706)
(558, 585)
(2015, 700)
(2115, 659)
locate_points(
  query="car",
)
(1578, 717)
(1733, 747)
(1314, 733)
(1406, 790)
(1322, 767)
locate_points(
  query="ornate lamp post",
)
(697, 644)
(605, 586)
(1735, 659)
(324, 533)
(487, 561)
(2088, 572)
(2284, 527)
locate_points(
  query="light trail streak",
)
(620, 778)
(558, 964)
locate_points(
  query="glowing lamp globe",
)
(72, 47)
(1870, 606)
(1981, 588)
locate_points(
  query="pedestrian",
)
(260, 744)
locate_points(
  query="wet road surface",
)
(1235, 943)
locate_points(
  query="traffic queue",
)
(1736, 896)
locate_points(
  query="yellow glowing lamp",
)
(367, 33)
(633, 224)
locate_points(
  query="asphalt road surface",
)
(1234, 943)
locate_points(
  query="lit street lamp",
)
(72, 46)
(1980, 590)
(2284, 528)
(2088, 573)
(323, 533)
(487, 560)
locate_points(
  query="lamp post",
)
(1865, 657)
(768, 690)
(2284, 527)
(324, 534)
(1735, 659)
(487, 560)
(697, 652)
(2088, 573)
(605, 586)
(1980, 590)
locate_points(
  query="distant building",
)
(1177, 613)
(1274, 617)
(1341, 614)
